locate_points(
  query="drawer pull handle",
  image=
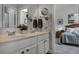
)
(27, 50)
(22, 52)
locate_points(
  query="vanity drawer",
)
(31, 50)
(27, 50)
(43, 36)
(16, 45)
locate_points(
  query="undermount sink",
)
(6, 36)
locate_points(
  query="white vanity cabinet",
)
(38, 44)
(27, 50)
(11, 47)
(43, 43)
(31, 50)
(46, 45)
(41, 47)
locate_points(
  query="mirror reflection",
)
(9, 17)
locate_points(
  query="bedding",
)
(70, 36)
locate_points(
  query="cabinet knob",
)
(27, 49)
(22, 52)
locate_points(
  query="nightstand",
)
(58, 33)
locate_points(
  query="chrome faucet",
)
(11, 33)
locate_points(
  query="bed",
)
(71, 35)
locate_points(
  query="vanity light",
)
(25, 10)
(5, 9)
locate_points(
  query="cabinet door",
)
(41, 47)
(43, 43)
(43, 36)
(31, 50)
(46, 45)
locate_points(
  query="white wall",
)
(62, 12)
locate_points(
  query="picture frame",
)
(70, 18)
(60, 21)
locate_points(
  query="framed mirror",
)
(73, 18)
(9, 17)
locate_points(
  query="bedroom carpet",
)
(66, 49)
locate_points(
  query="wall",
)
(62, 12)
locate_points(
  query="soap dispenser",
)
(35, 24)
(40, 23)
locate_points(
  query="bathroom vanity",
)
(26, 36)
(29, 43)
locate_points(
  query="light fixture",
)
(25, 10)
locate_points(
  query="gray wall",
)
(62, 12)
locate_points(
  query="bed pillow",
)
(76, 30)
(70, 29)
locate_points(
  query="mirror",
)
(25, 18)
(44, 11)
(72, 18)
(9, 17)
(28, 13)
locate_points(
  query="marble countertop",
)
(19, 36)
